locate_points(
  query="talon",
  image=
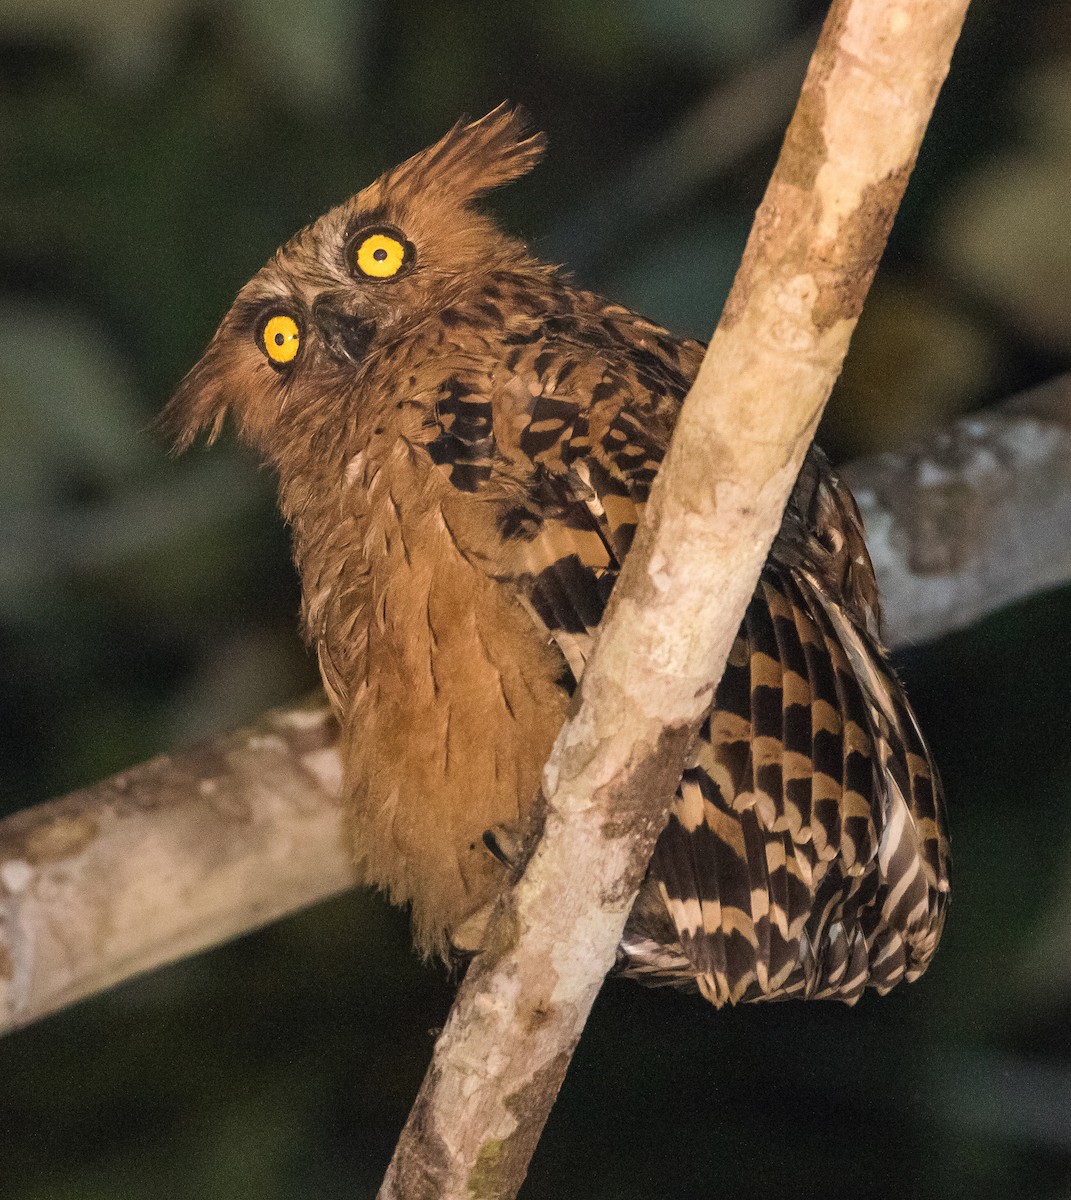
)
(505, 843)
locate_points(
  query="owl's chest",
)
(449, 696)
(410, 610)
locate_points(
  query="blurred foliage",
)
(153, 156)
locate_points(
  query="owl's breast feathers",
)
(805, 854)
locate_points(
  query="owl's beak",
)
(347, 338)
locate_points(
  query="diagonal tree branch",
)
(713, 513)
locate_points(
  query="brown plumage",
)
(464, 442)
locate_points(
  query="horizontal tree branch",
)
(165, 859)
(191, 849)
(975, 518)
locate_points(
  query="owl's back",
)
(805, 853)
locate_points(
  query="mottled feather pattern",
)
(775, 844)
(464, 451)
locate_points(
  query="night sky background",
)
(152, 156)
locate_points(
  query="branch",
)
(168, 858)
(973, 520)
(713, 513)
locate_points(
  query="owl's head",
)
(309, 321)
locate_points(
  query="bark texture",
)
(975, 518)
(712, 516)
(167, 858)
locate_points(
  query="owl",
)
(464, 441)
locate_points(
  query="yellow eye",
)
(281, 338)
(381, 255)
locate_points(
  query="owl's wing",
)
(805, 853)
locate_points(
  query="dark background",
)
(151, 158)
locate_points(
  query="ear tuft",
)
(475, 156)
(196, 405)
